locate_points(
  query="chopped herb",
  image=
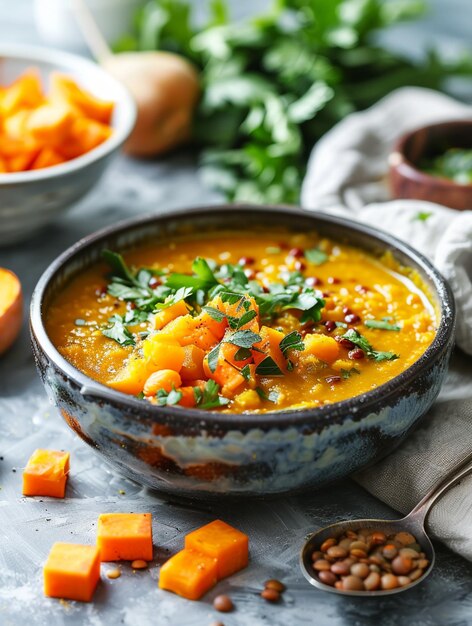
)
(381, 325)
(348, 373)
(203, 278)
(292, 341)
(341, 324)
(168, 398)
(243, 338)
(245, 372)
(213, 357)
(242, 354)
(181, 294)
(119, 267)
(421, 216)
(117, 331)
(140, 395)
(79, 322)
(316, 256)
(209, 397)
(364, 345)
(268, 367)
(272, 396)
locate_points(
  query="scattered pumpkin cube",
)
(46, 473)
(189, 574)
(65, 89)
(218, 540)
(72, 571)
(125, 536)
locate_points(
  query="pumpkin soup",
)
(243, 322)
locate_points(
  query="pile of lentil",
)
(369, 560)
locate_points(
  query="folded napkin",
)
(347, 176)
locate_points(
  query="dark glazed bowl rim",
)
(339, 410)
(412, 172)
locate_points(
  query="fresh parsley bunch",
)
(273, 85)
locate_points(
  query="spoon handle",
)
(421, 510)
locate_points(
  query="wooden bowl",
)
(408, 181)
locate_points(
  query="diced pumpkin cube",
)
(163, 352)
(192, 367)
(50, 124)
(189, 574)
(24, 92)
(47, 157)
(225, 374)
(84, 135)
(218, 540)
(65, 89)
(46, 473)
(125, 536)
(72, 571)
(168, 314)
(323, 347)
(188, 397)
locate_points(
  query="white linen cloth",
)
(347, 175)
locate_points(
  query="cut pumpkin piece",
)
(65, 89)
(163, 379)
(189, 574)
(24, 92)
(50, 124)
(226, 374)
(323, 347)
(160, 353)
(46, 473)
(125, 536)
(228, 545)
(168, 314)
(72, 571)
(192, 367)
(11, 308)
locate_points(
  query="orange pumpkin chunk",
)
(218, 540)
(125, 536)
(72, 571)
(189, 574)
(46, 473)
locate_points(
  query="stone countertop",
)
(277, 528)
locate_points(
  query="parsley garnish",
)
(381, 325)
(117, 331)
(316, 256)
(209, 397)
(168, 398)
(364, 345)
(272, 396)
(292, 341)
(348, 373)
(421, 216)
(268, 367)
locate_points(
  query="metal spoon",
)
(413, 523)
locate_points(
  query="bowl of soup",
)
(241, 350)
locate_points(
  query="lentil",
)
(223, 603)
(376, 561)
(139, 564)
(275, 584)
(271, 595)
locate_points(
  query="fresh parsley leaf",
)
(209, 397)
(203, 277)
(316, 256)
(272, 396)
(381, 325)
(292, 341)
(348, 373)
(213, 357)
(268, 367)
(168, 398)
(243, 338)
(421, 216)
(364, 345)
(118, 265)
(242, 354)
(181, 294)
(117, 331)
(245, 372)
(215, 314)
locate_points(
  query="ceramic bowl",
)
(408, 181)
(30, 200)
(199, 453)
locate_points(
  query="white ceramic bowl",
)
(30, 200)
